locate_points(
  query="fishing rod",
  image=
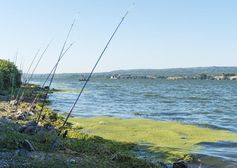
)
(22, 64)
(88, 78)
(31, 64)
(13, 77)
(37, 64)
(54, 71)
(57, 63)
(21, 70)
(48, 76)
(27, 73)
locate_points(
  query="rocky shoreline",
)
(94, 142)
(24, 143)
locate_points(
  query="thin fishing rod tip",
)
(125, 15)
(77, 13)
(52, 39)
(75, 18)
(131, 6)
(71, 44)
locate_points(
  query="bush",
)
(10, 76)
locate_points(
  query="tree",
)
(10, 76)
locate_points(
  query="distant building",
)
(233, 78)
(175, 78)
(151, 77)
(221, 77)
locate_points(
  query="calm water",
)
(205, 103)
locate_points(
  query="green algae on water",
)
(169, 140)
(66, 90)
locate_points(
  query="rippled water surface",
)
(208, 103)
(200, 102)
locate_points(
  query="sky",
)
(156, 34)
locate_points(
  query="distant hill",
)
(189, 72)
(179, 71)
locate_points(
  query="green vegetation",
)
(9, 75)
(76, 150)
(101, 141)
(168, 140)
(66, 90)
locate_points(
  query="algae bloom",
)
(167, 140)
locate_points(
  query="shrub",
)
(10, 76)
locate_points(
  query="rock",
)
(20, 117)
(30, 130)
(72, 161)
(180, 164)
(19, 111)
(49, 126)
(40, 124)
(38, 155)
(31, 113)
(32, 107)
(22, 129)
(31, 123)
(53, 117)
(13, 102)
(28, 146)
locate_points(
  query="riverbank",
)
(99, 141)
(23, 143)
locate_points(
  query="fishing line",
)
(54, 71)
(37, 64)
(13, 76)
(88, 78)
(25, 78)
(48, 76)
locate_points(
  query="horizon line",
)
(134, 69)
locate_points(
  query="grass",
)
(168, 140)
(107, 141)
(76, 150)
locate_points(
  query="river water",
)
(204, 103)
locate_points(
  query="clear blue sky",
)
(156, 33)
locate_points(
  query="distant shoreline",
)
(198, 73)
(215, 68)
